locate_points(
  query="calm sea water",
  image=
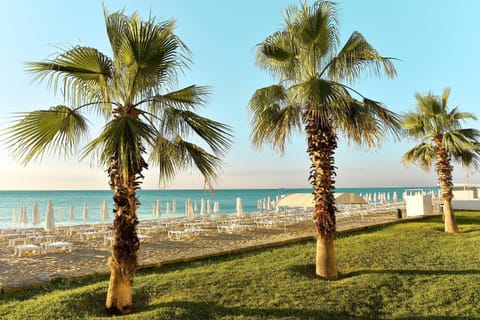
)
(62, 200)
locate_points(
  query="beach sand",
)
(90, 257)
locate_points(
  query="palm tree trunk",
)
(451, 225)
(444, 172)
(123, 261)
(322, 142)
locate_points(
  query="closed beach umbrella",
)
(35, 215)
(395, 197)
(216, 207)
(269, 204)
(14, 216)
(174, 208)
(190, 213)
(104, 212)
(202, 207)
(209, 210)
(158, 209)
(23, 215)
(85, 212)
(168, 208)
(239, 207)
(49, 218)
(195, 207)
(71, 214)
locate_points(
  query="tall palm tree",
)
(312, 93)
(135, 93)
(441, 141)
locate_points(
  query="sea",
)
(63, 200)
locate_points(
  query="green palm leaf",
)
(82, 74)
(58, 130)
(273, 118)
(355, 58)
(123, 137)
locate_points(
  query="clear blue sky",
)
(436, 41)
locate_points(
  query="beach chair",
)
(22, 248)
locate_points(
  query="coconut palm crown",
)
(134, 91)
(442, 140)
(313, 93)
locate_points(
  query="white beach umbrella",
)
(209, 207)
(158, 208)
(202, 207)
(23, 215)
(71, 213)
(85, 212)
(269, 204)
(168, 208)
(259, 204)
(264, 204)
(195, 207)
(190, 213)
(49, 218)
(174, 208)
(104, 211)
(14, 216)
(35, 214)
(395, 197)
(60, 215)
(239, 207)
(216, 207)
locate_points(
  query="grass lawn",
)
(403, 271)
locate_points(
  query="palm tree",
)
(442, 140)
(135, 93)
(303, 56)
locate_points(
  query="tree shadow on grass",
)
(418, 272)
(308, 271)
(211, 310)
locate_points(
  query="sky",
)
(435, 42)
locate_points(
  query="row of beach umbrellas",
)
(22, 217)
(191, 207)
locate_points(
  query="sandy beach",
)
(90, 256)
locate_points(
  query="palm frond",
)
(273, 118)
(173, 155)
(413, 125)
(81, 74)
(149, 57)
(277, 55)
(188, 98)
(181, 122)
(123, 137)
(356, 57)
(58, 130)
(423, 155)
(366, 122)
(317, 27)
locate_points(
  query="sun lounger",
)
(54, 246)
(177, 234)
(232, 228)
(22, 248)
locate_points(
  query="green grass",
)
(401, 271)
